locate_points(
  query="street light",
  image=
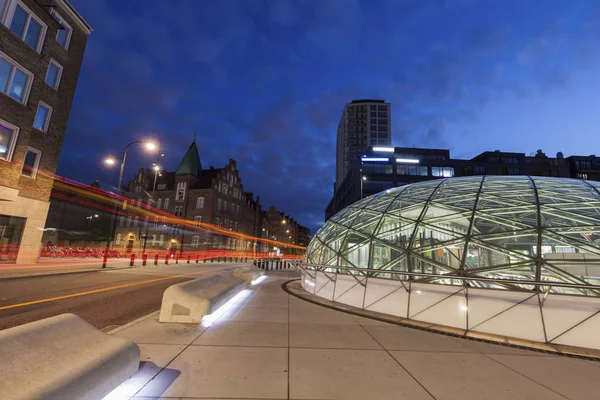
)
(156, 169)
(113, 161)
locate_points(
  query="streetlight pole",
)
(156, 169)
(362, 178)
(113, 224)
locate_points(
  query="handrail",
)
(320, 267)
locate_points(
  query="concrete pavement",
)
(271, 345)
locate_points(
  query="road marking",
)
(101, 290)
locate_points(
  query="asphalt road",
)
(110, 308)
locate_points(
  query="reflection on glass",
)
(17, 87)
(512, 228)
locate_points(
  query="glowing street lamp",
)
(112, 161)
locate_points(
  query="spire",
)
(190, 164)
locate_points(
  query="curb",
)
(134, 322)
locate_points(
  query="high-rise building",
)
(363, 123)
(41, 49)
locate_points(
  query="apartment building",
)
(42, 44)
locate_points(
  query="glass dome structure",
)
(516, 228)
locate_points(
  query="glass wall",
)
(479, 226)
(11, 231)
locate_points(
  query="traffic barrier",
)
(188, 302)
(144, 258)
(188, 258)
(248, 274)
(167, 259)
(197, 258)
(63, 357)
(132, 259)
(156, 259)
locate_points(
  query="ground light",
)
(259, 280)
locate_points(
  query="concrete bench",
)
(248, 274)
(188, 302)
(63, 357)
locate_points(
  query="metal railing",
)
(465, 278)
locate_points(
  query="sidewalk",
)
(271, 345)
(51, 266)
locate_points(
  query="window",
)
(118, 239)
(197, 220)
(138, 189)
(42, 117)
(15, 81)
(31, 162)
(513, 171)
(219, 205)
(136, 220)
(580, 164)
(161, 240)
(180, 191)
(146, 221)
(149, 202)
(53, 74)
(218, 221)
(166, 203)
(180, 194)
(411, 170)
(225, 189)
(162, 186)
(121, 221)
(445, 172)
(225, 206)
(8, 138)
(582, 176)
(153, 243)
(237, 209)
(200, 202)
(159, 203)
(23, 23)
(195, 241)
(63, 36)
(235, 193)
(478, 170)
(129, 222)
(232, 208)
(509, 160)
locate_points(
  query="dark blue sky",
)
(265, 81)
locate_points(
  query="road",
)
(105, 299)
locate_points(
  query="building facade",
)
(384, 168)
(177, 211)
(41, 50)
(363, 123)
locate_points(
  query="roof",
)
(190, 164)
(207, 177)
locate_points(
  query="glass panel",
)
(33, 33)
(6, 139)
(19, 21)
(40, 118)
(11, 229)
(19, 83)
(52, 75)
(29, 163)
(5, 69)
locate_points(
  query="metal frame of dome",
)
(503, 222)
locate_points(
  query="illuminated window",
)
(8, 139)
(200, 202)
(161, 240)
(582, 175)
(118, 239)
(159, 203)
(15, 81)
(128, 222)
(166, 203)
(121, 221)
(195, 241)
(42, 117)
(31, 162)
(53, 74)
(26, 25)
(138, 189)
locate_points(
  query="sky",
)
(265, 81)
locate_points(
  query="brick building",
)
(41, 49)
(213, 195)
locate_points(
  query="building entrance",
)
(11, 231)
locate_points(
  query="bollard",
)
(156, 259)
(246, 259)
(188, 258)
(212, 260)
(204, 260)
(144, 258)
(197, 258)
(132, 259)
(167, 259)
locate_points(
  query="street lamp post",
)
(156, 170)
(362, 178)
(112, 161)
